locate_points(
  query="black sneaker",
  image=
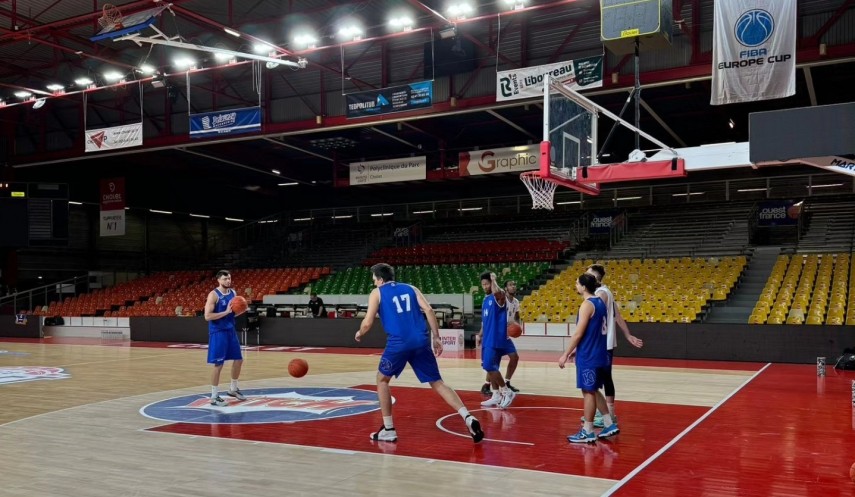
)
(218, 402)
(486, 389)
(236, 394)
(474, 428)
(511, 387)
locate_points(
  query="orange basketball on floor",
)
(514, 330)
(852, 472)
(239, 305)
(298, 368)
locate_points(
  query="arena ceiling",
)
(305, 135)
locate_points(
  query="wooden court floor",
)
(103, 418)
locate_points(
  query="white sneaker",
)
(384, 435)
(507, 398)
(493, 401)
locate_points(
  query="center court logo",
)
(20, 374)
(754, 27)
(267, 405)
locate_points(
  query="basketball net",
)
(542, 190)
(111, 17)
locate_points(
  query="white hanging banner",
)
(754, 51)
(527, 82)
(388, 171)
(98, 140)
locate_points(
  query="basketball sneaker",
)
(218, 402)
(511, 387)
(236, 394)
(507, 398)
(582, 437)
(384, 435)
(474, 428)
(493, 401)
(485, 389)
(610, 431)
(598, 420)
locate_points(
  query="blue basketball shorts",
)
(223, 346)
(420, 359)
(590, 379)
(491, 357)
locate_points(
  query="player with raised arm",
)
(495, 342)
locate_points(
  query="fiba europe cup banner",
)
(98, 140)
(388, 171)
(113, 207)
(579, 74)
(227, 122)
(499, 160)
(754, 50)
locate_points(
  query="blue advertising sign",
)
(778, 213)
(389, 100)
(225, 122)
(601, 222)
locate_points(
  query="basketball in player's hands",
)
(239, 305)
(514, 330)
(298, 368)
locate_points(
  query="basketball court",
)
(133, 419)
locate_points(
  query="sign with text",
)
(778, 213)
(113, 207)
(601, 222)
(579, 74)
(754, 51)
(499, 160)
(227, 122)
(452, 339)
(389, 100)
(98, 140)
(388, 171)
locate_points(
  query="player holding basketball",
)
(614, 319)
(408, 341)
(592, 359)
(513, 317)
(223, 344)
(495, 343)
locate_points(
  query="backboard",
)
(129, 24)
(570, 145)
(822, 136)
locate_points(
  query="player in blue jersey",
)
(614, 320)
(592, 359)
(495, 342)
(408, 340)
(223, 344)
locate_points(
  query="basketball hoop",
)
(111, 17)
(542, 190)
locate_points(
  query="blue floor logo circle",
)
(266, 405)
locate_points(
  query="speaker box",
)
(622, 21)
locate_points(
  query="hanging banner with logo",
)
(98, 140)
(113, 207)
(579, 74)
(499, 160)
(389, 100)
(754, 51)
(388, 171)
(227, 122)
